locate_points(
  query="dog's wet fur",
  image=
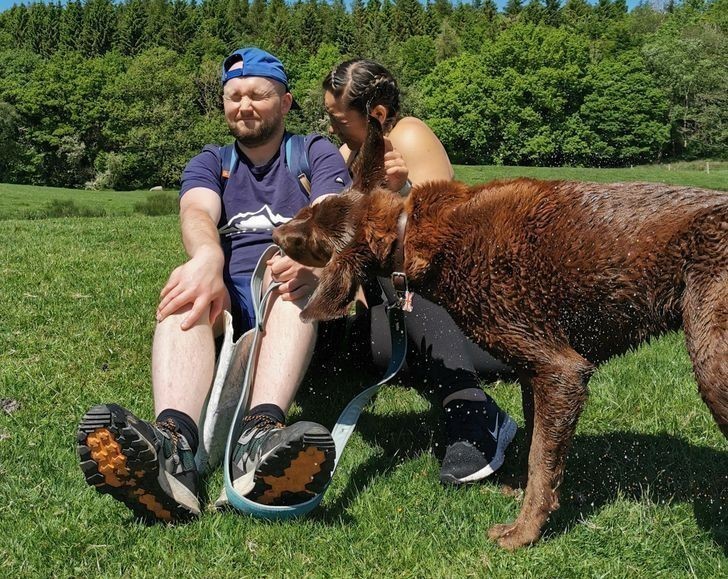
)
(552, 277)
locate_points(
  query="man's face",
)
(255, 108)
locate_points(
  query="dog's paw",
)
(512, 536)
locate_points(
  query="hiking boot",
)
(275, 464)
(478, 434)
(148, 467)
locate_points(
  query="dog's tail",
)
(705, 312)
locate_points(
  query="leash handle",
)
(345, 424)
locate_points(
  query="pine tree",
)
(342, 29)
(435, 13)
(407, 19)
(42, 30)
(182, 25)
(99, 27)
(214, 21)
(17, 24)
(490, 9)
(447, 43)
(359, 27)
(278, 31)
(576, 14)
(236, 14)
(130, 36)
(513, 8)
(552, 13)
(442, 8)
(311, 26)
(256, 15)
(533, 12)
(620, 8)
(157, 25)
(71, 26)
(603, 10)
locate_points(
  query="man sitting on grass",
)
(226, 222)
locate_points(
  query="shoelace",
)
(168, 426)
(262, 422)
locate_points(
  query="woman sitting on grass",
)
(441, 359)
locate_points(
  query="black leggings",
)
(440, 358)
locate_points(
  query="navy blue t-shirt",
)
(256, 199)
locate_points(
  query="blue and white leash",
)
(345, 424)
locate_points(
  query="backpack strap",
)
(297, 161)
(228, 159)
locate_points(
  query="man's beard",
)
(259, 135)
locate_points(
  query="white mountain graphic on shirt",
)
(262, 220)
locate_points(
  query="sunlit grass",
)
(677, 174)
(19, 201)
(646, 490)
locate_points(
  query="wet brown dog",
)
(551, 277)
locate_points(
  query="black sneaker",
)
(478, 434)
(275, 464)
(148, 467)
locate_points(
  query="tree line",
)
(121, 95)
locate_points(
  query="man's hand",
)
(298, 281)
(394, 166)
(198, 282)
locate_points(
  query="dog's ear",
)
(336, 289)
(368, 168)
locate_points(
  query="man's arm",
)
(199, 280)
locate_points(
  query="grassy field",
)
(645, 494)
(22, 201)
(675, 174)
(16, 201)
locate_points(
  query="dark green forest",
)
(121, 95)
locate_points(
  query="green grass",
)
(677, 174)
(645, 494)
(21, 201)
(18, 201)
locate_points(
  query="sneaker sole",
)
(118, 460)
(295, 472)
(505, 436)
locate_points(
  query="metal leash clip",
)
(401, 290)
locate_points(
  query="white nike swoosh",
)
(494, 432)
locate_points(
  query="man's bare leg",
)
(183, 363)
(147, 466)
(285, 352)
(274, 465)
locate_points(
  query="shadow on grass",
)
(325, 392)
(600, 468)
(660, 468)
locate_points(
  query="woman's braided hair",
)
(364, 84)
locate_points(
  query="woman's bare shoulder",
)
(411, 129)
(412, 134)
(422, 151)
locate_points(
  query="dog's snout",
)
(292, 242)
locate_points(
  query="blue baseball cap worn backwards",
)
(255, 62)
